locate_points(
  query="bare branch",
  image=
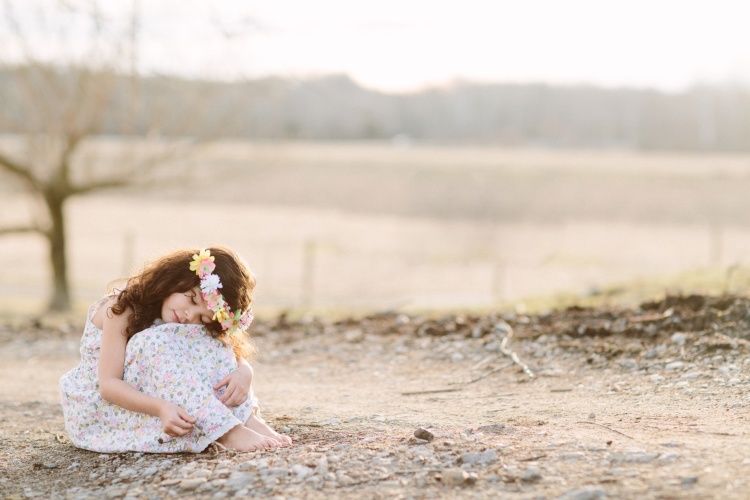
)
(102, 184)
(18, 169)
(4, 231)
(140, 175)
(72, 140)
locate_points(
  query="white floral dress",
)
(179, 363)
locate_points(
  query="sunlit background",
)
(380, 155)
(399, 46)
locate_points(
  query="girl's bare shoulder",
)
(98, 317)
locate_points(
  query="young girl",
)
(163, 364)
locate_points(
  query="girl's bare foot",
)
(241, 438)
(258, 425)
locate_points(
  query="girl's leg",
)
(181, 365)
(177, 364)
(258, 425)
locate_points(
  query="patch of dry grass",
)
(363, 226)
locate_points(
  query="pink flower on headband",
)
(247, 318)
(203, 263)
(213, 300)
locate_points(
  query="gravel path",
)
(643, 403)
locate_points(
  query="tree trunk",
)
(60, 300)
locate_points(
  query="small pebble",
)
(192, 483)
(531, 476)
(455, 477)
(632, 458)
(422, 433)
(628, 364)
(201, 473)
(492, 429)
(479, 458)
(239, 480)
(302, 471)
(668, 456)
(678, 338)
(688, 482)
(148, 472)
(585, 494)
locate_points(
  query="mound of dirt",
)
(712, 322)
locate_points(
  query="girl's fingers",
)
(238, 397)
(183, 426)
(175, 430)
(186, 417)
(227, 395)
(221, 384)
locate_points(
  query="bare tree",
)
(61, 96)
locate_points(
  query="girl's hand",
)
(238, 385)
(174, 420)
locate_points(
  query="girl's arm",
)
(175, 421)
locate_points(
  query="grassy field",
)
(375, 226)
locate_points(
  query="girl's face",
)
(186, 307)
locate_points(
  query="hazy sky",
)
(399, 45)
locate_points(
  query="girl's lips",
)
(176, 318)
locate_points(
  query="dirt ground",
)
(650, 402)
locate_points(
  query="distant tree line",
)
(702, 118)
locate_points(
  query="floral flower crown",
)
(231, 322)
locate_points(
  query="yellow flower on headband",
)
(198, 259)
(221, 315)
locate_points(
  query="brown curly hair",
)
(145, 292)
